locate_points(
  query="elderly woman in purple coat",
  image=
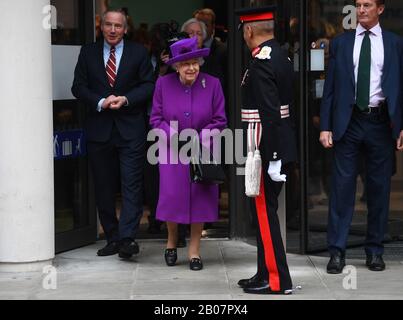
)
(195, 101)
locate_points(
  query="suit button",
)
(187, 114)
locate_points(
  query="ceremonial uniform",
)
(267, 90)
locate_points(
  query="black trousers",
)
(271, 255)
(372, 135)
(107, 159)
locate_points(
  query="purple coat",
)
(201, 106)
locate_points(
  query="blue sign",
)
(69, 144)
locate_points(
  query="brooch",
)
(204, 83)
(265, 53)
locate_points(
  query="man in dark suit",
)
(114, 79)
(362, 110)
(267, 92)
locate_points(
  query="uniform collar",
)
(256, 51)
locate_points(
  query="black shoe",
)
(337, 263)
(128, 248)
(263, 287)
(196, 264)
(375, 262)
(171, 255)
(181, 243)
(246, 283)
(109, 250)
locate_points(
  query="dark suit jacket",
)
(216, 63)
(134, 81)
(339, 92)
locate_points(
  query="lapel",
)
(123, 62)
(101, 62)
(350, 54)
(387, 44)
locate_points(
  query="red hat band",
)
(257, 17)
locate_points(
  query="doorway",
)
(75, 216)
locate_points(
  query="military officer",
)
(267, 89)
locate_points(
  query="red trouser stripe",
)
(264, 225)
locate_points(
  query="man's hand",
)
(399, 144)
(275, 171)
(118, 103)
(326, 139)
(164, 57)
(164, 67)
(108, 101)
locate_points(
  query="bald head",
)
(255, 33)
(262, 28)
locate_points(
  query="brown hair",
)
(206, 12)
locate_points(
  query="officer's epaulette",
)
(263, 54)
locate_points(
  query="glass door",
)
(327, 19)
(75, 216)
(287, 33)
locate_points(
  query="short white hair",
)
(201, 23)
(262, 26)
(176, 65)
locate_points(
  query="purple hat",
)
(187, 49)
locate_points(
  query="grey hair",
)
(262, 26)
(201, 23)
(125, 22)
(176, 65)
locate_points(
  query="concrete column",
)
(26, 138)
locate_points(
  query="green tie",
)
(364, 73)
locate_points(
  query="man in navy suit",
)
(362, 110)
(114, 79)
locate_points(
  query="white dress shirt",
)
(377, 61)
(118, 53)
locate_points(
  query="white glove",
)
(275, 171)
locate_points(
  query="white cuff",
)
(100, 103)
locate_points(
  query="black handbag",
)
(205, 171)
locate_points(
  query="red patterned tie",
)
(111, 67)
